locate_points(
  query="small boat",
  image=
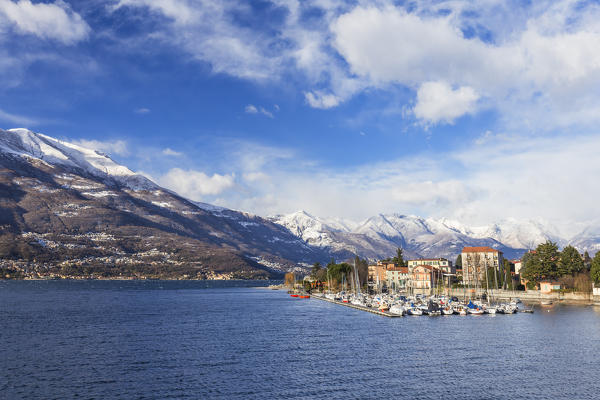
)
(546, 302)
(415, 311)
(491, 310)
(475, 311)
(294, 295)
(447, 310)
(396, 309)
(305, 296)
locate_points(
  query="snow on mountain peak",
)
(25, 143)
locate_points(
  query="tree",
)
(542, 264)
(458, 262)
(595, 269)
(314, 271)
(398, 259)
(587, 260)
(570, 261)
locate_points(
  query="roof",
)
(483, 249)
(430, 259)
(403, 270)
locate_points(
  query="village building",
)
(476, 260)
(518, 265)
(549, 286)
(377, 273)
(437, 263)
(397, 278)
(422, 279)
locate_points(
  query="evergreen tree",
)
(595, 269)
(314, 271)
(543, 263)
(458, 263)
(570, 261)
(398, 259)
(587, 260)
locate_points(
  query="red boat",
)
(294, 295)
(305, 297)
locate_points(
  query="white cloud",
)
(46, 20)
(119, 147)
(170, 152)
(142, 110)
(492, 178)
(438, 102)
(252, 109)
(196, 185)
(318, 99)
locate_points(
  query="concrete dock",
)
(383, 313)
(371, 310)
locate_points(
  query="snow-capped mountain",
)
(379, 236)
(55, 194)
(24, 143)
(588, 240)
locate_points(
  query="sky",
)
(476, 111)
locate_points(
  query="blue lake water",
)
(198, 340)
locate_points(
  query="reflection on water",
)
(229, 340)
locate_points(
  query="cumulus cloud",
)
(542, 68)
(196, 184)
(54, 21)
(119, 147)
(438, 102)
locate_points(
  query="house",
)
(377, 273)
(477, 260)
(422, 279)
(549, 286)
(437, 263)
(518, 265)
(397, 278)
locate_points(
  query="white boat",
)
(491, 310)
(475, 311)
(447, 310)
(397, 309)
(415, 311)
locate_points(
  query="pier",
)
(387, 314)
(371, 310)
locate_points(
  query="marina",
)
(399, 305)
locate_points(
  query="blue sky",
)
(475, 111)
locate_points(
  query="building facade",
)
(422, 279)
(377, 273)
(397, 278)
(477, 260)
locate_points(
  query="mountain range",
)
(69, 208)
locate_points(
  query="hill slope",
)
(68, 207)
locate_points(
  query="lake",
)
(199, 340)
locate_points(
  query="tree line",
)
(547, 262)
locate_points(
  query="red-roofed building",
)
(476, 260)
(422, 279)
